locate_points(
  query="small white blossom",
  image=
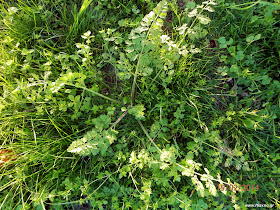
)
(164, 38)
(86, 35)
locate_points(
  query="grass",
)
(150, 123)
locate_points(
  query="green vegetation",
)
(139, 104)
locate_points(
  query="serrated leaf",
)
(204, 177)
(193, 13)
(212, 188)
(167, 156)
(81, 147)
(93, 141)
(204, 20)
(209, 9)
(139, 30)
(137, 111)
(159, 11)
(164, 166)
(188, 172)
(199, 186)
(149, 46)
(102, 122)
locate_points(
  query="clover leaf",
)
(224, 43)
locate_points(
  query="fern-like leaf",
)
(82, 147)
(96, 140)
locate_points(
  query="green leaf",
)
(149, 46)
(232, 50)
(202, 204)
(250, 38)
(71, 97)
(193, 13)
(253, 38)
(223, 70)
(222, 40)
(254, 18)
(135, 10)
(223, 45)
(234, 68)
(94, 140)
(212, 189)
(248, 123)
(199, 186)
(82, 147)
(166, 156)
(188, 172)
(257, 37)
(230, 41)
(137, 111)
(102, 122)
(74, 57)
(239, 55)
(159, 11)
(266, 80)
(190, 5)
(147, 71)
(204, 20)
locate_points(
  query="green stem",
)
(137, 66)
(145, 131)
(96, 93)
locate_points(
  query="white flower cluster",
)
(164, 38)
